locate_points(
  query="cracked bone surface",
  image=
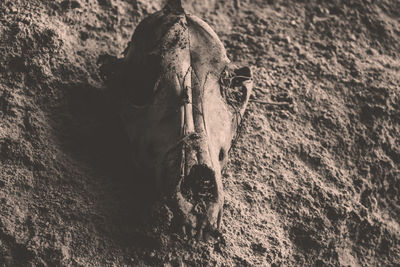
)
(182, 105)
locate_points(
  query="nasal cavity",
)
(199, 185)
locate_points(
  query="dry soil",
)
(312, 182)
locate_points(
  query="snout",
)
(200, 200)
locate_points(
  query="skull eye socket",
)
(139, 84)
(242, 74)
(231, 85)
(134, 81)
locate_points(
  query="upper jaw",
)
(198, 223)
(199, 205)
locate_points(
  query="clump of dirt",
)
(316, 182)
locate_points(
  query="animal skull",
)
(182, 104)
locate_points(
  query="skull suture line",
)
(182, 105)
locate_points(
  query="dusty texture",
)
(315, 181)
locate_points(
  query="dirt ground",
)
(314, 182)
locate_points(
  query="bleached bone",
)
(182, 103)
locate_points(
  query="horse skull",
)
(182, 104)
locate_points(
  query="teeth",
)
(203, 232)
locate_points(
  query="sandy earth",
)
(314, 182)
